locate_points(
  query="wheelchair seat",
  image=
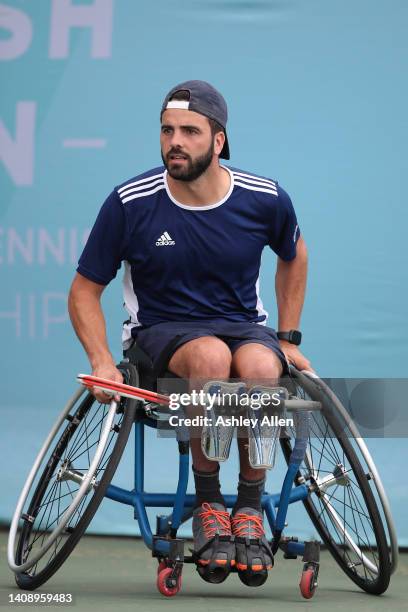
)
(148, 372)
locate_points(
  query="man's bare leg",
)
(209, 358)
(206, 357)
(256, 364)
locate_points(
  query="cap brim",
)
(225, 153)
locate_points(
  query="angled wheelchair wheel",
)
(342, 504)
(67, 483)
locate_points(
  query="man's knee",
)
(256, 361)
(205, 357)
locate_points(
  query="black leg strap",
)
(263, 551)
(216, 543)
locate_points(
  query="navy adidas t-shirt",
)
(186, 263)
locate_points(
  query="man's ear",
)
(219, 140)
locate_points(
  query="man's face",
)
(187, 146)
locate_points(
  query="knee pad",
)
(221, 402)
(266, 407)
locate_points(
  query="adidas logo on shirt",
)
(165, 240)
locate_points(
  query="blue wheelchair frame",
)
(182, 503)
(377, 564)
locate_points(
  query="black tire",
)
(44, 569)
(330, 445)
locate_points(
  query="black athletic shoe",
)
(214, 547)
(253, 554)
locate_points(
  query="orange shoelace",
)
(240, 526)
(215, 521)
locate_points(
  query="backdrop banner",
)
(317, 97)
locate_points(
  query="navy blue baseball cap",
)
(203, 99)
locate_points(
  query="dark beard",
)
(193, 170)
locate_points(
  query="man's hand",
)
(294, 356)
(110, 371)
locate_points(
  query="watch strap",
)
(294, 336)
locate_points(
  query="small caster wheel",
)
(308, 583)
(163, 583)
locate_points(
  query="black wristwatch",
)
(293, 336)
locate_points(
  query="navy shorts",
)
(155, 339)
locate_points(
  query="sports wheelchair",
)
(329, 470)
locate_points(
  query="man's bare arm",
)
(290, 287)
(84, 306)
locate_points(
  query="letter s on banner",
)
(19, 24)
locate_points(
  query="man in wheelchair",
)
(191, 234)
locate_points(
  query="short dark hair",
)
(184, 95)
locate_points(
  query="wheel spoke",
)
(331, 459)
(369, 545)
(105, 459)
(358, 539)
(322, 452)
(44, 512)
(46, 504)
(85, 439)
(77, 431)
(85, 451)
(346, 505)
(44, 533)
(81, 431)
